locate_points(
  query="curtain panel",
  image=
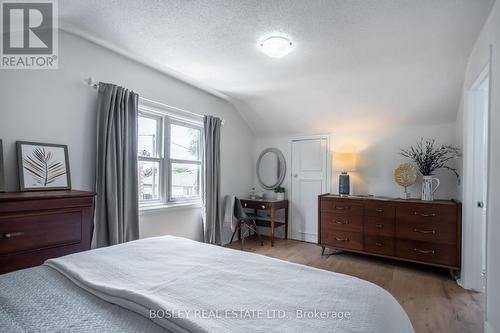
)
(211, 180)
(116, 208)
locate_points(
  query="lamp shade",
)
(344, 162)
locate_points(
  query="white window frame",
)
(167, 116)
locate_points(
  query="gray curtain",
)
(116, 210)
(211, 180)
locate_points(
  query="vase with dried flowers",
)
(429, 157)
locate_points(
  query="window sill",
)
(159, 208)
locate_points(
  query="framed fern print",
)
(43, 166)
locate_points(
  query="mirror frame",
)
(282, 165)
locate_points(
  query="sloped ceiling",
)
(356, 64)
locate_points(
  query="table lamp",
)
(344, 163)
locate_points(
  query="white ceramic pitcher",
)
(428, 188)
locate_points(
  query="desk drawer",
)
(255, 205)
(342, 221)
(30, 232)
(342, 239)
(342, 207)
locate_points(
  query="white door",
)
(480, 170)
(475, 186)
(309, 179)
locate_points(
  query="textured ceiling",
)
(356, 63)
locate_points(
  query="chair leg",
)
(242, 236)
(234, 233)
(257, 233)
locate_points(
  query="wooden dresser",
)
(410, 230)
(35, 226)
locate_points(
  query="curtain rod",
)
(95, 84)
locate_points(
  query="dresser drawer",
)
(427, 232)
(379, 226)
(379, 245)
(380, 209)
(342, 207)
(342, 221)
(29, 232)
(441, 254)
(343, 239)
(429, 213)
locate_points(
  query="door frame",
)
(291, 140)
(472, 239)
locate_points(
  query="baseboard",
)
(488, 328)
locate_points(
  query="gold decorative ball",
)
(405, 174)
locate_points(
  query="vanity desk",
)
(271, 206)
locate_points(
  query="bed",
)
(172, 284)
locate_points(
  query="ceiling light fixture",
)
(276, 46)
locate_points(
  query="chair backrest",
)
(239, 212)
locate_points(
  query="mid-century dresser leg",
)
(453, 274)
(322, 250)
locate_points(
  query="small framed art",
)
(43, 166)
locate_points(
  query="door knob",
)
(480, 204)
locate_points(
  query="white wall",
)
(378, 156)
(490, 35)
(55, 106)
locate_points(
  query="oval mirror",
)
(271, 168)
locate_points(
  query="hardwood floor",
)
(433, 301)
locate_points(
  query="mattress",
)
(40, 299)
(188, 286)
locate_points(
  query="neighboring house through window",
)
(169, 158)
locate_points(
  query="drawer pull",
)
(378, 225)
(8, 235)
(380, 210)
(342, 239)
(263, 207)
(379, 243)
(342, 207)
(424, 251)
(425, 231)
(245, 204)
(342, 222)
(425, 215)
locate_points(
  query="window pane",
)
(185, 143)
(185, 181)
(149, 180)
(148, 137)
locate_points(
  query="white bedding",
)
(208, 288)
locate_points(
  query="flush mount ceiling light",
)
(276, 46)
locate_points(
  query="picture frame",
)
(43, 166)
(2, 175)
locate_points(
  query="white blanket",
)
(206, 288)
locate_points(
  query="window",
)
(169, 159)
